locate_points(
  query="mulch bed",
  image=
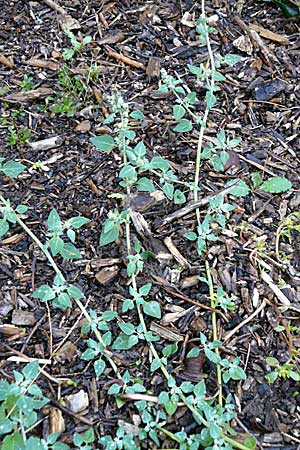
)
(79, 180)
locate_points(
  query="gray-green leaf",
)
(104, 143)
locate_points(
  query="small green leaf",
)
(178, 112)
(4, 227)
(168, 190)
(210, 99)
(276, 185)
(137, 115)
(44, 293)
(62, 301)
(56, 245)
(231, 59)
(272, 362)
(75, 292)
(69, 251)
(54, 222)
(145, 289)
(250, 442)
(156, 363)
(99, 367)
(179, 197)
(183, 126)
(152, 309)
(124, 342)
(78, 222)
(127, 328)
(12, 168)
(109, 236)
(6, 426)
(21, 209)
(71, 235)
(240, 190)
(272, 376)
(193, 353)
(170, 407)
(104, 143)
(145, 185)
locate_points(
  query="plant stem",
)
(214, 329)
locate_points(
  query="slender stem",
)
(214, 329)
(58, 272)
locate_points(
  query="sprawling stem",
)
(214, 328)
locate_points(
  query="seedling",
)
(77, 46)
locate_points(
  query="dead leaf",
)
(43, 63)
(244, 44)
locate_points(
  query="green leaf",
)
(178, 112)
(78, 222)
(12, 168)
(193, 353)
(190, 235)
(54, 223)
(272, 376)
(56, 245)
(231, 59)
(75, 292)
(124, 342)
(99, 367)
(31, 370)
(250, 442)
(13, 442)
(109, 236)
(127, 171)
(62, 301)
(276, 185)
(272, 362)
(145, 185)
(156, 363)
(6, 426)
(145, 289)
(168, 190)
(114, 389)
(69, 251)
(104, 143)
(170, 407)
(179, 197)
(127, 328)
(210, 99)
(4, 227)
(152, 309)
(183, 126)
(44, 293)
(71, 235)
(137, 115)
(240, 190)
(21, 209)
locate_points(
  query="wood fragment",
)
(166, 333)
(56, 421)
(175, 252)
(153, 67)
(269, 34)
(29, 96)
(279, 294)
(47, 144)
(42, 63)
(6, 62)
(107, 274)
(244, 322)
(125, 59)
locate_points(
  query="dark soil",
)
(259, 104)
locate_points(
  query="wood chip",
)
(56, 421)
(66, 352)
(278, 293)
(23, 318)
(29, 96)
(66, 21)
(153, 68)
(47, 144)
(165, 333)
(125, 59)
(84, 126)
(106, 275)
(43, 63)
(5, 61)
(175, 252)
(112, 39)
(269, 34)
